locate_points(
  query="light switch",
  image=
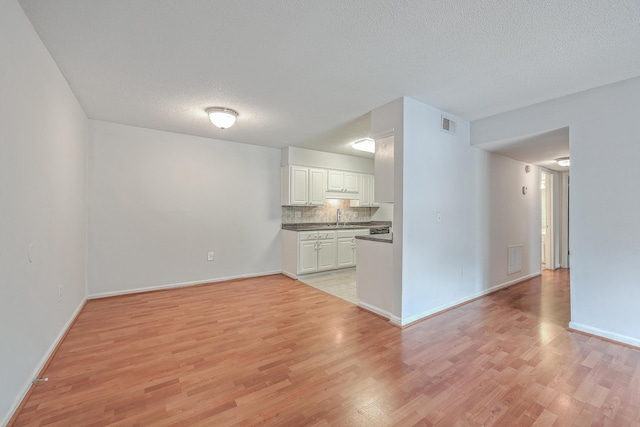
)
(438, 217)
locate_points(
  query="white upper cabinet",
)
(342, 181)
(302, 186)
(317, 178)
(366, 192)
(384, 167)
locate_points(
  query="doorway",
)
(547, 255)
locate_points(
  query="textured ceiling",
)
(306, 73)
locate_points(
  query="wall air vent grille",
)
(447, 125)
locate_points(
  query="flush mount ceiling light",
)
(222, 117)
(366, 144)
(563, 161)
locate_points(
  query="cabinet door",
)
(345, 252)
(327, 255)
(365, 190)
(350, 182)
(384, 170)
(317, 179)
(298, 185)
(308, 257)
(373, 191)
(335, 180)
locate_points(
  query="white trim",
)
(410, 319)
(605, 334)
(374, 309)
(396, 321)
(179, 285)
(292, 276)
(25, 389)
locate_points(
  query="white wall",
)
(388, 119)
(43, 138)
(604, 133)
(319, 159)
(483, 211)
(159, 201)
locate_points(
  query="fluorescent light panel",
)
(366, 144)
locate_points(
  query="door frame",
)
(550, 263)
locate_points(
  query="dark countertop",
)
(333, 226)
(383, 238)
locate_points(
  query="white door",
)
(299, 185)
(345, 252)
(351, 182)
(546, 221)
(317, 179)
(308, 257)
(335, 180)
(365, 190)
(327, 254)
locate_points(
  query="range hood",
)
(343, 195)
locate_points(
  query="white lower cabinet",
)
(307, 252)
(308, 257)
(346, 252)
(347, 247)
(317, 251)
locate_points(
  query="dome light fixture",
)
(222, 117)
(563, 161)
(365, 144)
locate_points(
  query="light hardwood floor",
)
(274, 351)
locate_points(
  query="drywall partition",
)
(604, 231)
(43, 135)
(482, 210)
(159, 202)
(462, 208)
(385, 120)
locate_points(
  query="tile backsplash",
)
(326, 213)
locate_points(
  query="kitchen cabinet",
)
(366, 192)
(303, 186)
(346, 256)
(342, 181)
(305, 252)
(317, 251)
(384, 170)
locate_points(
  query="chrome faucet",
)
(338, 215)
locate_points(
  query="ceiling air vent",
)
(448, 125)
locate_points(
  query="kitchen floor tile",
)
(339, 283)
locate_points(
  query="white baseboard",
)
(291, 275)
(395, 320)
(605, 334)
(25, 389)
(410, 319)
(374, 309)
(178, 285)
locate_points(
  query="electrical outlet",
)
(59, 293)
(438, 217)
(355, 214)
(298, 214)
(210, 256)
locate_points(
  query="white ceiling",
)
(539, 149)
(307, 73)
